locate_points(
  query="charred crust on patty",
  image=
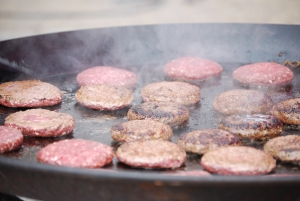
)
(166, 112)
(177, 92)
(256, 126)
(201, 141)
(288, 111)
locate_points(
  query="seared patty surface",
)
(177, 92)
(170, 113)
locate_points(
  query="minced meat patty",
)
(29, 93)
(177, 92)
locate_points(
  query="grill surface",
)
(95, 125)
(57, 58)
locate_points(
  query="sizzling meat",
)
(165, 112)
(151, 154)
(29, 93)
(177, 92)
(41, 123)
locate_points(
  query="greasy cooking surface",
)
(95, 125)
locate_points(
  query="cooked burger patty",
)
(172, 114)
(141, 130)
(104, 97)
(29, 93)
(239, 101)
(10, 139)
(41, 123)
(284, 148)
(151, 154)
(264, 73)
(177, 92)
(192, 68)
(202, 141)
(288, 111)
(76, 153)
(255, 126)
(238, 160)
(107, 75)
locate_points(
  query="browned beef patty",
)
(177, 92)
(10, 139)
(202, 141)
(238, 160)
(288, 111)
(264, 73)
(104, 97)
(255, 126)
(29, 93)
(240, 101)
(172, 114)
(141, 130)
(41, 123)
(76, 153)
(151, 154)
(284, 148)
(107, 75)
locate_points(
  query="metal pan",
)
(57, 58)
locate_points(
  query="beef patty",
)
(107, 75)
(238, 160)
(288, 111)
(104, 97)
(202, 141)
(284, 148)
(151, 154)
(29, 93)
(141, 130)
(192, 69)
(264, 73)
(170, 113)
(240, 101)
(10, 139)
(41, 123)
(76, 153)
(177, 92)
(255, 126)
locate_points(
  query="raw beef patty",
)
(76, 153)
(107, 75)
(10, 139)
(264, 73)
(192, 69)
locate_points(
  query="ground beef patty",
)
(192, 69)
(141, 130)
(202, 141)
(240, 101)
(10, 139)
(177, 92)
(76, 153)
(104, 97)
(264, 73)
(288, 111)
(151, 154)
(238, 160)
(284, 148)
(29, 93)
(107, 75)
(255, 126)
(172, 114)
(41, 123)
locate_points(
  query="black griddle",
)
(57, 59)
